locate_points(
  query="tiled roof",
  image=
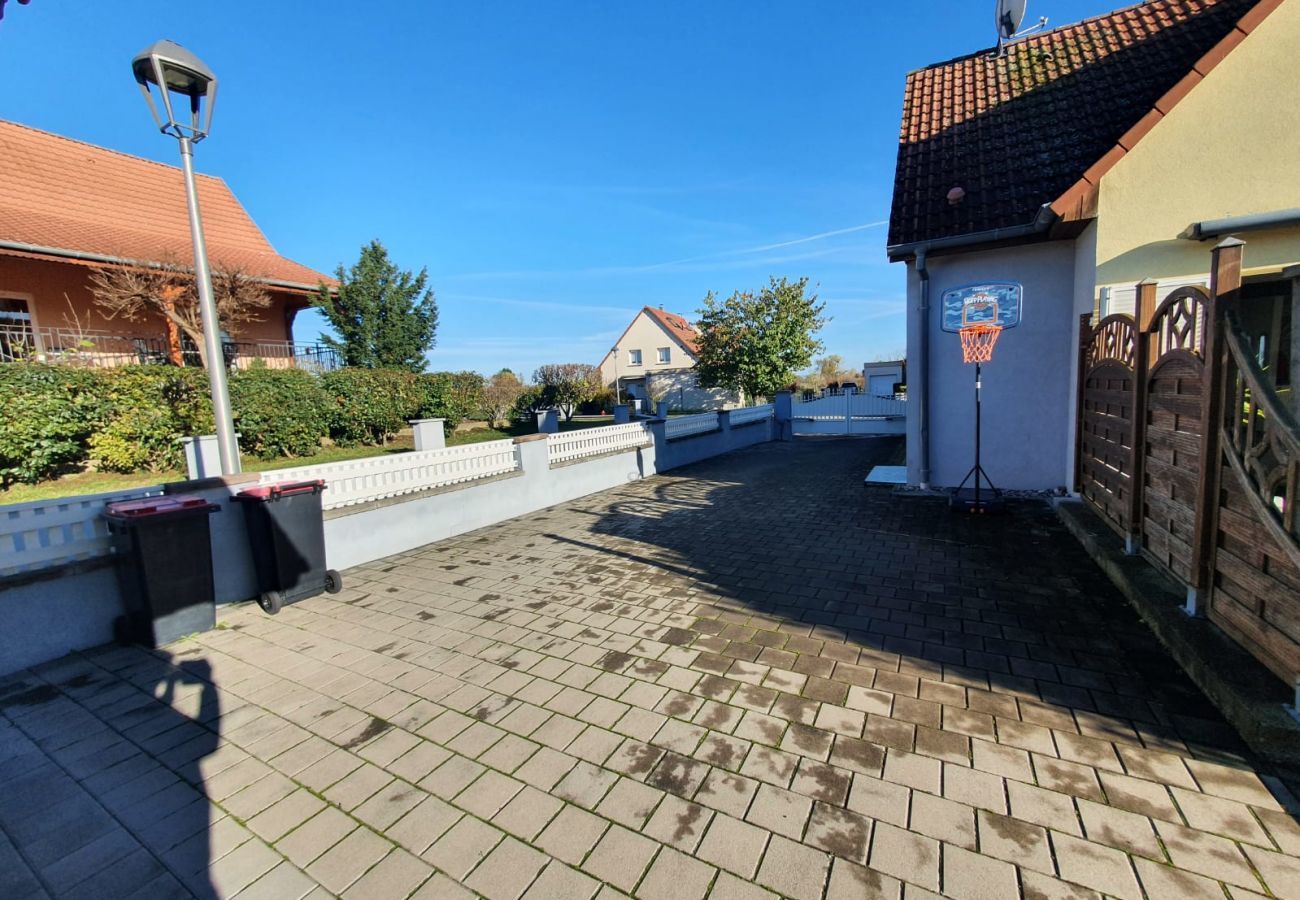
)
(1023, 130)
(681, 330)
(60, 193)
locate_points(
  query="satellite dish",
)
(1010, 13)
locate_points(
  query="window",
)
(17, 339)
(634, 357)
(665, 355)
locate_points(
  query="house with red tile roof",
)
(655, 357)
(68, 208)
(1076, 163)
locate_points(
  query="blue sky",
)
(556, 165)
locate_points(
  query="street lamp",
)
(618, 396)
(177, 73)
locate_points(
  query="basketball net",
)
(977, 342)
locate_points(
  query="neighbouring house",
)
(655, 359)
(1078, 163)
(68, 208)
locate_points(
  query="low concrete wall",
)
(693, 448)
(360, 534)
(49, 613)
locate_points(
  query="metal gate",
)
(850, 414)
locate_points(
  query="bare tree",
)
(168, 290)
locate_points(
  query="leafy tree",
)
(565, 385)
(384, 316)
(530, 400)
(500, 394)
(168, 291)
(755, 342)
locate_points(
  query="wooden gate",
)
(1106, 396)
(1173, 339)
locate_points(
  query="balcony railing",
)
(105, 349)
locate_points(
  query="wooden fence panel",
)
(1256, 563)
(1106, 414)
(1174, 432)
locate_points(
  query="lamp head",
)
(172, 70)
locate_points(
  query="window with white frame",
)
(634, 357)
(665, 355)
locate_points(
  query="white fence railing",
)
(45, 533)
(684, 426)
(569, 445)
(752, 414)
(378, 477)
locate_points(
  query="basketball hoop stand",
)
(977, 499)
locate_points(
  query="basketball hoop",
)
(977, 342)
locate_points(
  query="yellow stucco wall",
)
(1229, 148)
(644, 335)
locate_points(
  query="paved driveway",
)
(753, 676)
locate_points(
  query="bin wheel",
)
(271, 602)
(333, 581)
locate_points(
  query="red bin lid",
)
(156, 506)
(281, 489)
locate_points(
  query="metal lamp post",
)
(618, 395)
(172, 69)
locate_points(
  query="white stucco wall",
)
(684, 391)
(1028, 387)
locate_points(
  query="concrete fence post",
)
(429, 434)
(201, 459)
(548, 421)
(724, 420)
(659, 432)
(782, 423)
(534, 455)
(622, 414)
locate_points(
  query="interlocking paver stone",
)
(748, 675)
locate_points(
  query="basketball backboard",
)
(992, 303)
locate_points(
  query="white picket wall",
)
(378, 477)
(45, 533)
(569, 445)
(684, 426)
(752, 414)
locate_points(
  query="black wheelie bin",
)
(164, 567)
(286, 531)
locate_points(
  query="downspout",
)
(923, 366)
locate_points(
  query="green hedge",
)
(367, 406)
(150, 409)
(47, 414)
(56, 419)
(279, 412)
(454, 396)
